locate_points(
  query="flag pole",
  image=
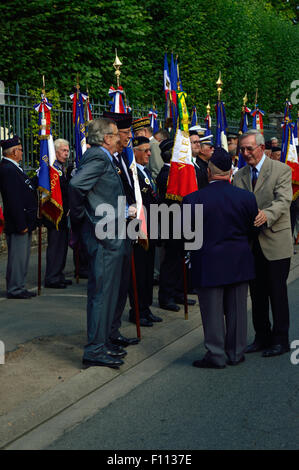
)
(135, 292)
(39, 264)
(76, 247)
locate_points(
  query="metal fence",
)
(17, 117)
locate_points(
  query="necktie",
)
(254, 177)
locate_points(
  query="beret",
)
(139, 141)
(12, 142)
(221, 159)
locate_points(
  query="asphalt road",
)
(252, 406)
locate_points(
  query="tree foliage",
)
(252, 42)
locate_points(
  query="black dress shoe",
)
(170, 306)
(255, 347)
(153, 318)
(21, 295)
(56, 285)
(205, 364)
(67, 282)
(143, 321)
(123, 341)
(276, 350)
(30, 294)
(181, 301)
(235, 363)
(103, 360)
(115, 352)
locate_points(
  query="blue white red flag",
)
(117, 102)
(288, 148)
(208, 122)
(142, 235)
(48, 177)
(78, 99)
(257, 121)
(221, 139)
(243, 129)
(153, 115)
(170, 93)
(194, 121)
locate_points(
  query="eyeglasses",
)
(112, 133)
(195, 142)
(125, 132)
(143, 150)
(249, 148)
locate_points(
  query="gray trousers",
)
(224, 317)
(18, 247)
(104, 277)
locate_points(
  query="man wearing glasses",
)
(20, 213)
(97, 184)
(202, 151)
(271, 183)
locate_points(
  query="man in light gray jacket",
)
(271, 183)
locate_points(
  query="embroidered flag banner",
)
(48, 177)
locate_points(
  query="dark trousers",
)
(144, 267)
(171, 272)
(126, 273)
(270, 287)
(56, 255)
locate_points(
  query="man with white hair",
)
(271, 183)
(58, 239)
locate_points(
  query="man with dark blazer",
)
(224, 264)
(20, 213)
(95, 189)
(202, 150)
(144, 257)
(123, 122)
(171, 267)
(271, 183)
(58, 239)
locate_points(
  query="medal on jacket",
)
(118, 170)
(147, 181)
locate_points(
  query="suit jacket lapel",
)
(246, 178)
(264, 174)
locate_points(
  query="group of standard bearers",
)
(101, 177)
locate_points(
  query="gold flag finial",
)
(208, 107)
(245, 99)
(117, 64)
(219, 84)
(44, 86)
(256, 95)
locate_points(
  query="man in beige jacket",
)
(271, 182)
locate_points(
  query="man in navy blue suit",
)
(224, 264)
(20, 214)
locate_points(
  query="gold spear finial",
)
(256, 95)
(208, 107)
(117, 64)
(219, 84)
(44, 86)
(245, 99)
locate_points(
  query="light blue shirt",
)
(258, 166)
(107, 153)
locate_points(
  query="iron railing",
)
(16, 117)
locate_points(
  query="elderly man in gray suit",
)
(271, 183)
(97, 185)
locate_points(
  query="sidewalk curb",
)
(31, 414)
